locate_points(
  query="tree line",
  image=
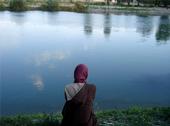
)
(157, 3)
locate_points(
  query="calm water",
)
(128, 58)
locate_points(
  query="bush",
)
(98, 3)
(2, 6)
(79, 7)
(50, 5)
(165, 2)
(17, 5)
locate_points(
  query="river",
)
(128, 58)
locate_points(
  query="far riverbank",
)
(83, 7)
(129, 10)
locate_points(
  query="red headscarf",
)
(80, 73)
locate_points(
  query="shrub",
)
(17, 5)
(79, 7)
(2, 6)
(98, 3)
(50, 5)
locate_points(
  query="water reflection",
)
(160, 80)
(38, 81)
(107, 24)
(88, 24)
(18, 18)
(52, 18)
(47, 58)
(163, 31)
(144, 25)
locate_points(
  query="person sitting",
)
(79, 96)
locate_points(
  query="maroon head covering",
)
(80, 73)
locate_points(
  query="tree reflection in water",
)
(163, 31)
(107, 24)
(144, 25)
(88, 29)
(18, 18)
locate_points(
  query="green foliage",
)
(156, 2)
(120, 2)
(79, 7)
(17, 5)
(31, 1)
(50, 5)
(135, 116)
(165, 2)
(138, 117)
(98, 3)
(31, 120)
(2, 6)
(149, 3)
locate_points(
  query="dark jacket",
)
(79, 110)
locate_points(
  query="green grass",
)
(31, 120)
(135, 116)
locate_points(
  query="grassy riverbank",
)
(51, 5)
(128, 10)
(134, 116)
(54, 5)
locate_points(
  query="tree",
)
(128, 1)
(138, 1)
(157, 3)
(119, 2)
(51, 5)
(17, 5)
(165, 2)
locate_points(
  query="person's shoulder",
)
(91, 89)
(68, 86)
(93, 86)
